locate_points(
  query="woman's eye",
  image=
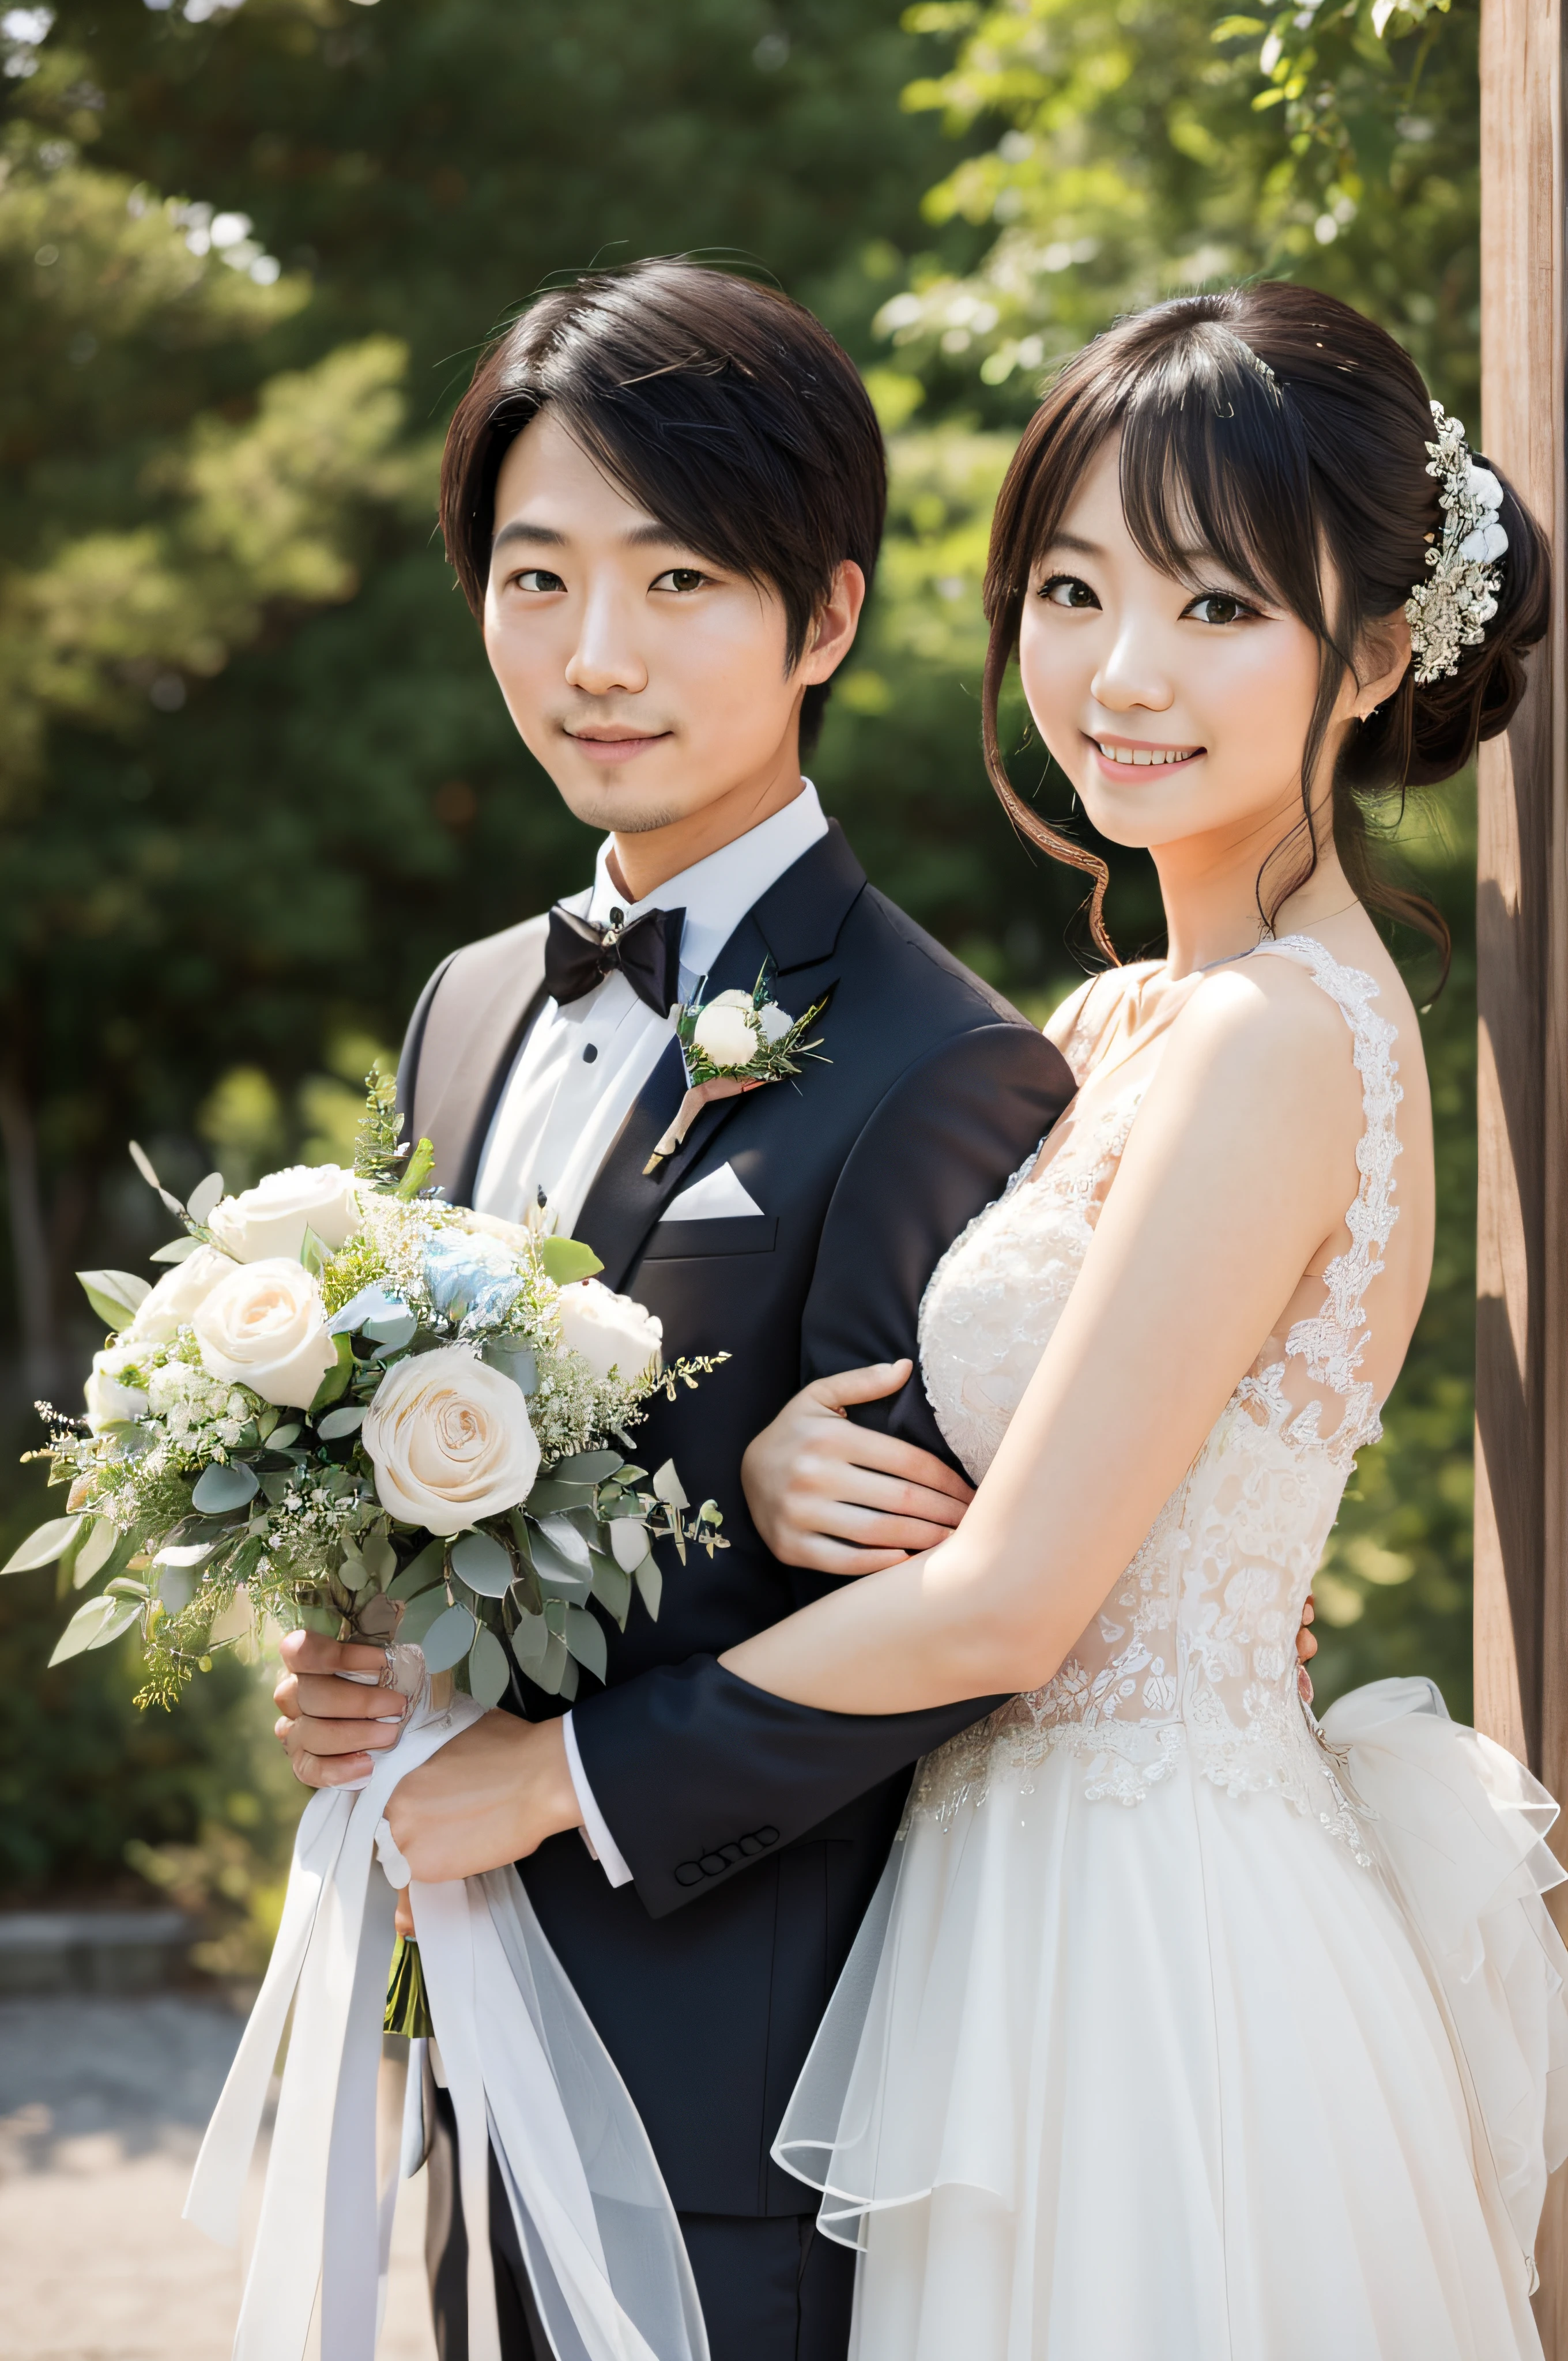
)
(538, 577)
(681, 577)
(1219, 607)
(1067, 590)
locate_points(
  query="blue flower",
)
(471, 1277)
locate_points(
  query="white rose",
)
(180, 1293)
(730, 1000)
(773, 1023)
(109, 1401)
(273, 1218)
(614, 1334)
(725, 1038)
(450, 1441)
(263, 1326)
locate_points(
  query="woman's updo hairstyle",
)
(1287, 435)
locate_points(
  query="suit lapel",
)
(468, 1076)
(794, 927)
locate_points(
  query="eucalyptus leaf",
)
(177, 1250)
(204, 1197)
(95, 1622)
(335, 1381)
(489, 1675)
(586, 1468)
(339, 1422)
(552, 1568)
(94, 1552)
(379, 1556)
(514, 1361)
(42, 1547)
(176, 1586)
(667, 1486)
(552, 1668)
(114, 1295)
(421, 1612)
(612, 1588)
(628, 1542)
(585, 1637)
(549, 1496)
(567, 1686)
(217, 1489)
(483, 1564)
(392, 1329)
(280, 1437)
(566, 1260)
(449, 1640)
(186, 1552)
(650, 1581)
(530, 1643)
(565, 1538)
(419, 1572)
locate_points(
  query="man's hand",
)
(490, 1795)
(332, 1730)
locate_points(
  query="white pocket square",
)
(717, 1197)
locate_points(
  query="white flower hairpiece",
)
(1450, 610)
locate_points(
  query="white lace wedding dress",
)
(1181, 2030)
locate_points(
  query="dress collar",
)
(716, 892)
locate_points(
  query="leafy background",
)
(254, 776)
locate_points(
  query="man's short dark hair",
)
(723, 408)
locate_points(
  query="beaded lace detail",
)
(1192, 1655)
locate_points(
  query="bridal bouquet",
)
(349, 1405)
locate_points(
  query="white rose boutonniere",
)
(273, 1218)
(733, 1043)
(450, 1440)
(264, 1326)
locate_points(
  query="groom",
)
(663, 495)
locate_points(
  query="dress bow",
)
(580, 955)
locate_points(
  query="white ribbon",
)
(528, 2077)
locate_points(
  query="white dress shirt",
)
(579, 1072)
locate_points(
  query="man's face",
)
(649, 683)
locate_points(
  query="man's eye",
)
(681, 577)
(1219, 607)
(1067, 590)
(538, 577)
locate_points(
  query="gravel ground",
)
(102, 2104)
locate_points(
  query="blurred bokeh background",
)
(254, 776)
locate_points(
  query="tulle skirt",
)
(1188, 2080)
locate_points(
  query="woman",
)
(1176, 2029)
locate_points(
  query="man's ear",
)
(1383, 659)
(837, 619)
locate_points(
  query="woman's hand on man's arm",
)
(840, 1498)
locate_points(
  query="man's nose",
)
(607, 655)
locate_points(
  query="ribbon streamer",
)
(528, 2076)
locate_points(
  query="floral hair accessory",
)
(1450, 610)
(731, 1044)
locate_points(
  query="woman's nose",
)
(1131, 675)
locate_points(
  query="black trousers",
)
(772, 2288)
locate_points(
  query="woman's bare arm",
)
(1238, 1171)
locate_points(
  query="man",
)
(663, 495)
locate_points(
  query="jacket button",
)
(752, 1847)
(689, 1873)
(768, 1836)
(713, 1865)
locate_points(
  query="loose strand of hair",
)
(1028, 823)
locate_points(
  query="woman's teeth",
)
(1146, 754)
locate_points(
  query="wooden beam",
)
(1521, 1372)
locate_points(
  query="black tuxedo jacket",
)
(755, 1829)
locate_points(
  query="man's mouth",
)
(613, 743)
(1139, 753)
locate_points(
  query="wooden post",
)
(1521, 1373)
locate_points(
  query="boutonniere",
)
(733, 1044)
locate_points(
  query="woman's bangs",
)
(1212, 472)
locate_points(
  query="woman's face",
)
(1177, 713)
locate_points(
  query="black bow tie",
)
(580, 955)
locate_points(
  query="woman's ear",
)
(1383, 659)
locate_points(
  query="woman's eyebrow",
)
(1073, 542)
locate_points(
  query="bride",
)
(1180, 2028)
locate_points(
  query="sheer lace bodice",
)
(1192, 1655)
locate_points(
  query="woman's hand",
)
(841, 1498)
